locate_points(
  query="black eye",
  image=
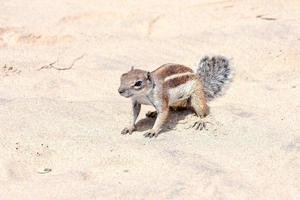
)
(138, 83)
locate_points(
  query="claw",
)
(204, 126)
(200, 125)
(124, 131)
(151, 134)
(194, 124)
(127, 130)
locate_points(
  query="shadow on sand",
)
(173, 119)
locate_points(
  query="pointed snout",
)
(121, 90)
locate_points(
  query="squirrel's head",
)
(135, 82)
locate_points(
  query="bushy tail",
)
(214, 73)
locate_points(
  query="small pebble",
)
(44, 170)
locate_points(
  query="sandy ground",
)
(60, 63)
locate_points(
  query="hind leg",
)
(181, 105)
(198, 103)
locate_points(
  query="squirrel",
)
(174, 86)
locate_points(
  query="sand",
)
(61, 115)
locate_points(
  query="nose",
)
(121, 90)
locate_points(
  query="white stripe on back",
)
(178, 75)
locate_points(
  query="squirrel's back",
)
(170, 69)
(214, 72)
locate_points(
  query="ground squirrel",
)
(174, 85)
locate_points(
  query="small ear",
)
(149, 76)
(132, 68)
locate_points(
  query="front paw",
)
(127, 130)
(151, 114)
(151, 133)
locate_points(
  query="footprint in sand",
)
(265, 18)
(16, 170)
(8, 71)
(17, 36)
(294, 145)
(44, 40)
(90, 16)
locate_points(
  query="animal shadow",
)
(174, 117)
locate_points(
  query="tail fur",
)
(215, 73)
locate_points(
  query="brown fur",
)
(181, 105)
(174, 82)
(170, 69)
(198, 101)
